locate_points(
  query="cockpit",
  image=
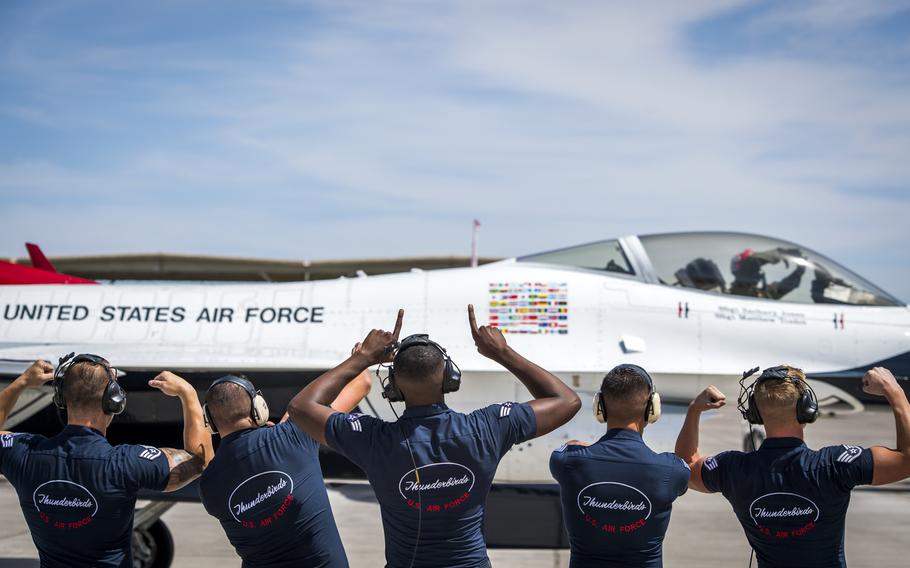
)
(735, 264)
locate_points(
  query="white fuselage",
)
(685, 338)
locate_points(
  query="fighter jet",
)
(692, 308)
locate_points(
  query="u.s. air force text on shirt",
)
(791, 500)
(265, 487)
(616, 498)
(455, 455)
(78, 493)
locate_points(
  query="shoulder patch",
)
(682, 461)
(8, 439)
(849, 454)
(149, 453)
(504, 409)
(561, 448)
(711, 463)
(354, 421)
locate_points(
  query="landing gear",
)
(153, 545)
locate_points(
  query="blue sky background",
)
(359, 129)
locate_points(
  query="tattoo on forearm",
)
(185, 467)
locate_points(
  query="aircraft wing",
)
(15, 359)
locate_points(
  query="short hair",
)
(777, 397)
(625, 392)
(419, 362)
(84, 384)
(228, 403)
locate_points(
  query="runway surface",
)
(703, 530)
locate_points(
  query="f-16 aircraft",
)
(692, 308)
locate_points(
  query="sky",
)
(338, 129)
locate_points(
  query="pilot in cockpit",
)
(749, 275)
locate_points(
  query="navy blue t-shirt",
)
(616, 499)
(456, 457)
(791, 500)
(265, 486)
(78, 493)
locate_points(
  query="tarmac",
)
(703, 530)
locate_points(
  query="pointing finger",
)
(472, 319)
(398, 323)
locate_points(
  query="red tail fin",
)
(38, 259)
(41, 271)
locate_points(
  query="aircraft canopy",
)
(725, 263)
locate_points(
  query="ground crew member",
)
(78, 492)
(617, 493)
(432, 469)
(791, 500)
(265, 485)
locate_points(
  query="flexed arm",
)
(186, 464)
(352, 393)
(554, 402)
(890, 465)
(36, 375)
(687, 441)
(312, 406)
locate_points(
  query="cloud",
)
(345, 129)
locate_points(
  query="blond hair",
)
(777, 397)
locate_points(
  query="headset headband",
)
(67, 361)
(779, 373)
(640, 371)
(240, 381)
(418, 339)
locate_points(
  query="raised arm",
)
(36, 375)
(554, 402)
(687, 441)
(351, 394)
(312, 406)
(889, 465)
(186, 464)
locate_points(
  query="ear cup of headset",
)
(59, 401)
(600, 411)
(653, 413)
(114, 400)
(752, 414)
(259, 411)
(63, 366)
(391, 392)
(451, 378)
(208, 421)
(806, 407)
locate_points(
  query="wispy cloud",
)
(345, 129)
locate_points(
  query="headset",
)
(451, 374)
(652, 407)
(259, 409)
(806, 405)
(113, 400)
